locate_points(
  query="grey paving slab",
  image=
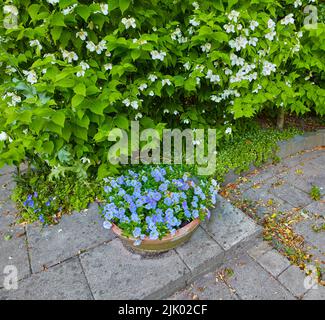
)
(319, 162)
(13, 251)
(317, 239)
(273, 262)
(252, 282)
(317, 207)
(206, 288)
(6, 187)
(292, 195)
(229, 225)
(62, 282)
(201, 252)
(293, 279)
(259, 249)
(52, 244)
(116, 273)
(8, 216)
(315, 294)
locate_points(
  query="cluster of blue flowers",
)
(156, 201)
(31, 203)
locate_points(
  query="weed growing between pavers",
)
(315, 193)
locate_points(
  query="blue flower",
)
(144, 179)
(154, 235)
(195, 214)
(137, 242)
(136, 232)
(41, 218)
(107, 225)
(107, 189)
(163, 187)
(135, 217)
(168, 201)
(48, 203)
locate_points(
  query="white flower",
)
(82, 35)
(239, 43)
(270, 36)
(187, 65)
(206, 47)
(31, 76)
(3, 136)
(104, 8)
(233, 15)
(195, 5)
(253, 25)
(130, 22)
(236, 61)
(258, 88)
(10, 70)
(51, 55)
(186, 121)
(166, 81)
(239, 27)
(166, 111)
(271, 24)
(198, 80)
(138, 116)
(152, 77)
(91, 46)
(151, 93)
(175, 113)
(35, 43)
(85, 160)
(84, 66)
(101, 47)
(228, 130)
(253, 41)
(299, 34)
(69, 10)
(214, 78)
(69, 56)
(14, 99)
(156, 55)
(296, 48)
(194, 23)
(135, 104)
(108, 66)
(10, 9)
(143, 86)
(288, 19)
(230, 28)
(297, 3)
(126, 102)
(268, 68)
(53, 2)
(228, 72)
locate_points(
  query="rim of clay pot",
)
(180, 233)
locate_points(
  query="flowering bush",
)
(156, 201)
(72, 71)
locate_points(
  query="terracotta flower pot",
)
(166, 243)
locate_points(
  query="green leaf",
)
(121, 122)
(48, 147)
(59, 118)
(98, 106)
(56, 33)
(33, 11)
(58, 20)
(124, 4)
(83, 11)
(80, 88)
(76, 100)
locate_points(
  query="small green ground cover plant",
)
(315, 193)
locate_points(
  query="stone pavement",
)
(261, 272)
(79, 259)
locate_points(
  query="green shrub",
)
(74, 70)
